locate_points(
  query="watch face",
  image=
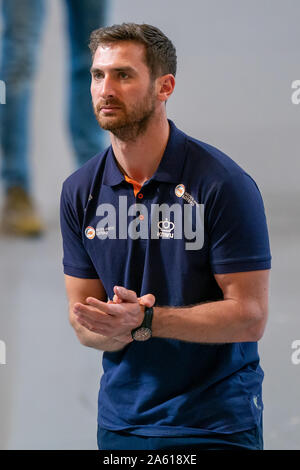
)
(142, 334)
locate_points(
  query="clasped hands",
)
(116, 318)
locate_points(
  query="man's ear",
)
(165, 86)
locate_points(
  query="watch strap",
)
(147, 323)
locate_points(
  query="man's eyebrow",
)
(115, 69)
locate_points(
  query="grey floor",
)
(49, 386)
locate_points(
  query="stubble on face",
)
(134, 118)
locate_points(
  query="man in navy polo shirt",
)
(166, 262)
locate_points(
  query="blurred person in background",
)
(23, 21)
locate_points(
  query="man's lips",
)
(109, 110)
(109, 107)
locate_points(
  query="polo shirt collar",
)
(169, 169)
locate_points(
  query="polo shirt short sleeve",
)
(76, 260)
(238, 228)
(200, 214)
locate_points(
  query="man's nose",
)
(107, 88)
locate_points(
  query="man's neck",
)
(140, 159)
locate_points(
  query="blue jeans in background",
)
(23, 22)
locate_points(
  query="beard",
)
(133, 121)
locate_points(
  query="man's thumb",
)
(148, 300)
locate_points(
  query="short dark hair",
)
(160, 52)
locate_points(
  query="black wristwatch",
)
(144, 331)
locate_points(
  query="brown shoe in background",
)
(19, 216)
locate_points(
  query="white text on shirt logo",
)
(165, 229)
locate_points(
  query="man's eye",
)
(123, 75)
(98, 75)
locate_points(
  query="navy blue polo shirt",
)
(200, 214)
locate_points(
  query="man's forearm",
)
(102, 343)
(224, 321)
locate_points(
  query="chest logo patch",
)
(180, 190)
(90, 232)
(165, 229)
